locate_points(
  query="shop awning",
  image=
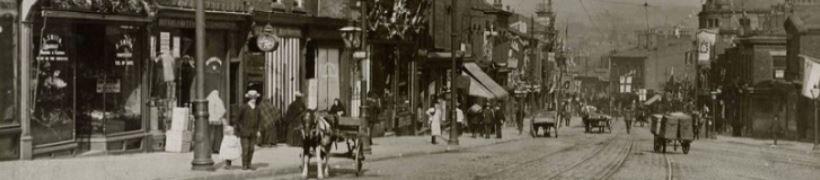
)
(485, 80)
(478, 90)
(653, 99)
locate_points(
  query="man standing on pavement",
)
(246, 123)
(488, 118)
(499, 119)
(475, 119)
(519, 119)
(435, 114)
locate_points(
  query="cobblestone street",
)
(618, 155)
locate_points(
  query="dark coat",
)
(246, 120)
(488, 116)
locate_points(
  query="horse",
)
(317, 138)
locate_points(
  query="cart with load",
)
(596, 120)
(675, 128)
(545, 121)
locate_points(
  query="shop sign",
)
(108, 86)
(52, 49)
(124, 51)
(99, 6)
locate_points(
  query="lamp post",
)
(355, 37)
(453, 49)
(815, 93)
(202, 144)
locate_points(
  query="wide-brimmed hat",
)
(252, 94)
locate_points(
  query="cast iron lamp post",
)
(202, 144)
(355, 38)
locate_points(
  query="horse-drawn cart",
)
(348, 130)
(675, 128)
(546, 121)
(599, 121)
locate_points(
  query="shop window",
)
(89, 74)
(7, 103)
(54, 95)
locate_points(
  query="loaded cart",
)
(599, 121)
(546, 121)
(675, 128)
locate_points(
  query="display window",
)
(7, 100)
(89, 74)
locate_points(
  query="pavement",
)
(268, 162)
(781, 144)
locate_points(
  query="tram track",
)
(608, 170)
(542, 158)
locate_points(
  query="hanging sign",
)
(52, 49)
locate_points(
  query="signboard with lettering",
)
(52, 49)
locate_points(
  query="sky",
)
(594, 21)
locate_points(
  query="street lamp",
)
(202, 145)
(354, 38)
(710, 127)
(815, 92)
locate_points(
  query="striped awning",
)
(476, 73)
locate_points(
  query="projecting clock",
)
(265, 42)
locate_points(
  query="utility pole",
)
(202, 144)
(453, 95)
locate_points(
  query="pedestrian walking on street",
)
(230, 148)
(434, 114)
(246, 125)
(474, 120)
(519, 119)
(269, 123)
(296, 109)
(460, 120)
(488, 120)
(499, 120)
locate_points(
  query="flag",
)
(811, 76)
(705, 41)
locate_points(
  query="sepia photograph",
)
(410, 89)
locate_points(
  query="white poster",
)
(811, 77)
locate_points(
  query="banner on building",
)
(811, 77)
(705, 42)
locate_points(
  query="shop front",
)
(88, 81)
(9, 123)
(227, 27)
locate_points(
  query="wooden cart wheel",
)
(359, 157)
(663, 145)
(533, 129)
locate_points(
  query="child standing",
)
(230, 149)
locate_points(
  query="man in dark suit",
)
(489, 120)
(246, 121)
(499, 119)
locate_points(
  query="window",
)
(779, 66)
(7, 110)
